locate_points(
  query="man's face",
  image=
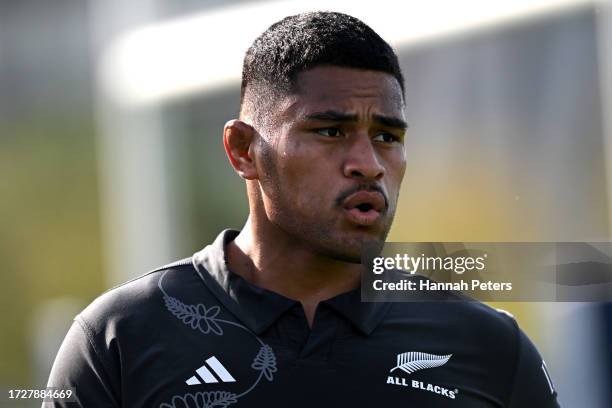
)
(331, 163)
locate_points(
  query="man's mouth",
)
(364, 207)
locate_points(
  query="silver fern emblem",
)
(414, 361)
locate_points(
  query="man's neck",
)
(281, 264)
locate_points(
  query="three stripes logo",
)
(205, 373)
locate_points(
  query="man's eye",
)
(386, 138)
(329, 132)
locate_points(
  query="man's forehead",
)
(345, 90)
(328, 82)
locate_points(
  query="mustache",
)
(362, 187)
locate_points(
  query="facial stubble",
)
(321, 235)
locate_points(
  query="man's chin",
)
(353, 251)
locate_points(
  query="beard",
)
(325, 238)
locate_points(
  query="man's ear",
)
(238, 139)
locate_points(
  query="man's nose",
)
(362, 161)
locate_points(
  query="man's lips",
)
(363, 218)
(372, 199)
(364, 207)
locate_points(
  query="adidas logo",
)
(205, 373)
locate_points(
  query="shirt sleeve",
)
(533, 386)
(78, 365)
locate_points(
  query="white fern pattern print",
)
(213, 399)
(197, 316)
(206, 320)
(414, 361)
(265, 362)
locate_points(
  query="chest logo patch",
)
(212, 365)
(413, 361)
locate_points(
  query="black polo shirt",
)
(195, 335)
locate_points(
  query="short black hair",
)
(303, 41)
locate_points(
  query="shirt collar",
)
(259, 308)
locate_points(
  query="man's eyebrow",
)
(335, 116)
(391, 121)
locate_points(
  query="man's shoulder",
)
(142, 298)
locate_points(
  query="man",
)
(271, 315)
